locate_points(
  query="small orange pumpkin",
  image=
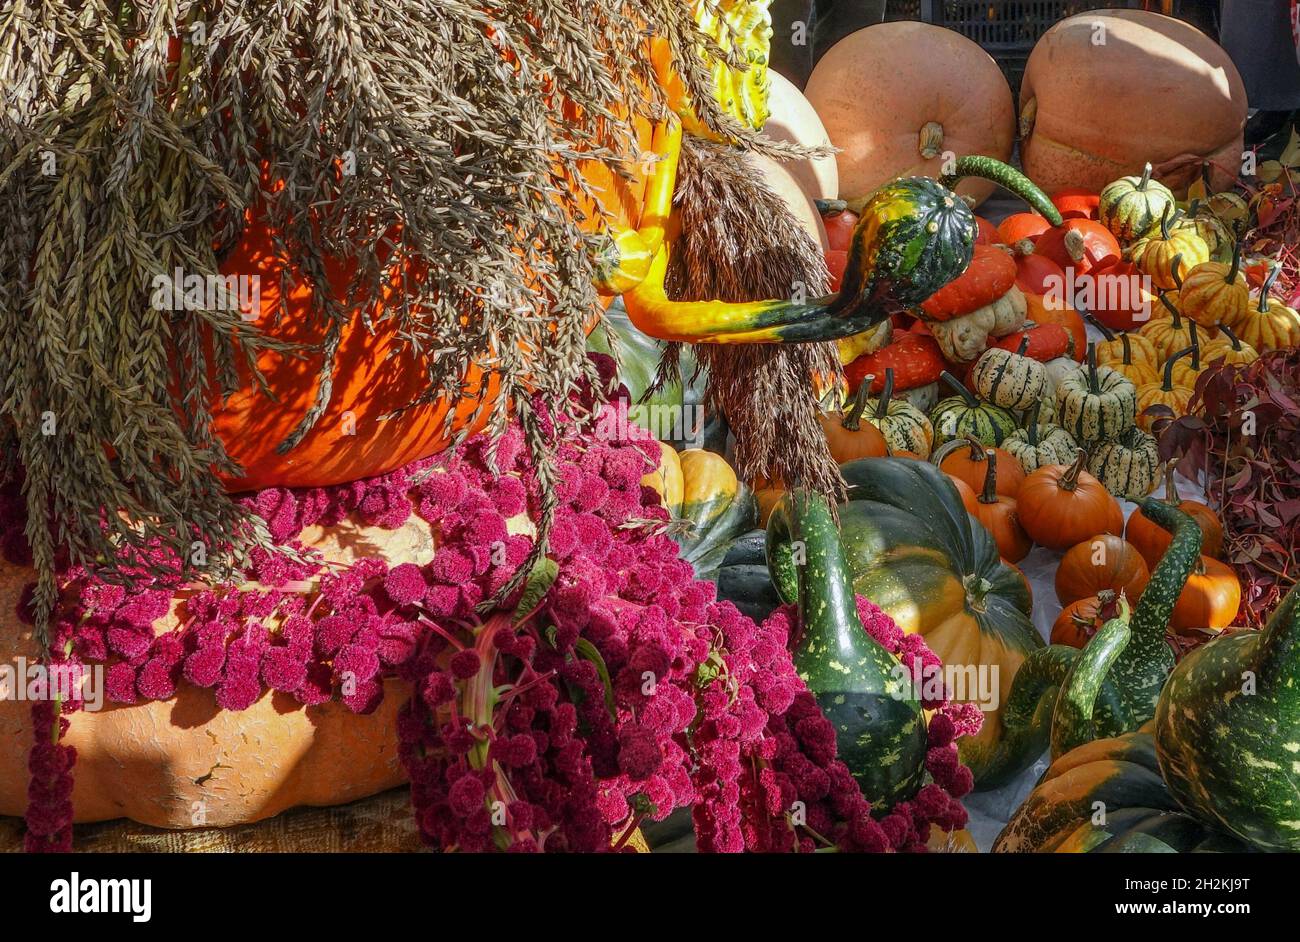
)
(967, 459)
(849, 435)
(1214, 293)
(1104, 561)
(1209, 600)
(1061, 505)
(1083, 618)
(1152, 540)
(998, 514)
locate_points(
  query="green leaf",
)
(539, 582)
(587, 651)
(1291, 155)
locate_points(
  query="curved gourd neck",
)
(1279, 645)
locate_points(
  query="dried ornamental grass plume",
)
(135, 138)
(739, 241)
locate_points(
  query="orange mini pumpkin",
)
(967, 459)
(1060, 505)
(1104, 561)
(1152, 540)
(1209, 600)
(1083, 618)
(998, 514)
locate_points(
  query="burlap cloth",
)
(381, 823)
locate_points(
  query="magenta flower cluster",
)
(629, 691)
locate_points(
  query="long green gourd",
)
(879, 726)
(1227, 731)
(1135, 671)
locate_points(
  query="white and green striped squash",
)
(1096, 403)
(1009, 379)
(903, 426)
(1128, 465)
(964, 415)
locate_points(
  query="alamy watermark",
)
(25, 680)
(180, 291)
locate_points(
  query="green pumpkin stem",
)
(1031, 432)
(1175, 266)
(960, 389)
(1236, 263)
(1094, 383)
(1128, 349)
(1145, 179)
(1164, 222)
(1267, 287)
(1169, 368)
(1106, 332)
(1023, 347)
(1173, 311)
(990, 493)
(882, 404)
(1232, 337)
(853, 418)
(1196, 345)
(1007, 177)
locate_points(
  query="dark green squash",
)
(716, 509)
(1228, 731)
(914, 551)
(1108, 797)
(861, 688)
(743, 578)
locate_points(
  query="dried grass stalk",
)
(739, 241)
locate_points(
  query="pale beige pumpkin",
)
(153, 761)
(895, 96)
(794, 119)
(1156, 89)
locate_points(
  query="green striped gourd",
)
(964, 415)
(1009, 378)
(1228, 731)
(1131, 207)
(1127, 465)
(860, 687)
(1095, 402)
(1134, 676)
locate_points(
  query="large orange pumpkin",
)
(1106, 91)
(895, 97)
(374, 374)
(153, 761)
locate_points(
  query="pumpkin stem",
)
(1173, 311)
(960, 389)
(930, 140)
(1074, 245)
(1070, 479)
(1267, 287)
(1236, 263)
(882, 404)
(1145, 178)
(1232, 337)
(1175, 269)
(1128, 349)
(1164, 223)
(1106, 332)
(1031, 432)
(1023, 347)
(990, 492)
(852, 420)
(1196, 345)
(1168, 385)
(830, 207)
(1171, 492)
(1094, 384)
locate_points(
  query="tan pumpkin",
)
(1136, 359)
(1127, 465)
(1157, 89)
(903, 425)
(1095, 403)
(914, 111)
(794, 119)
(1168, 334)
(1214, 293)
(161, 762)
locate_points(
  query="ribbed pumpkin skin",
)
(904, 427)
(1057, 516)
(1140, 349)
(1094, 416)
(1246, 782)
(1128, 466)
(1210, 298)
(1168, 336)
(1121, 776)
(1101, 562)
(1168, 260)
(954, 418)
(1277, 328)
(1008, 379)
(1177, 398)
